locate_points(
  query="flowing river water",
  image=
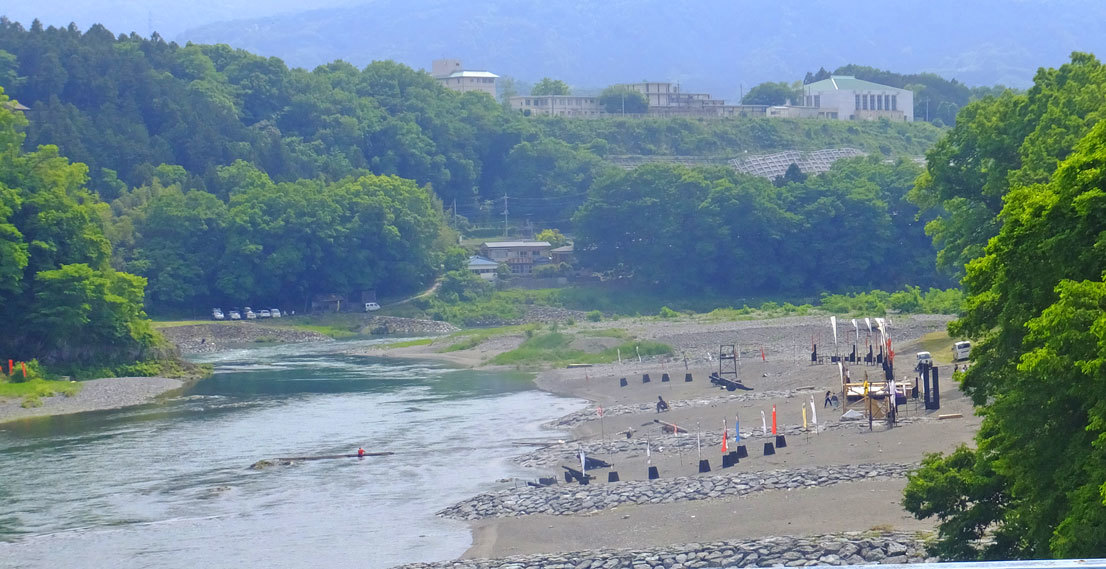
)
(168, 485)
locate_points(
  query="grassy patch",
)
(34, 390)
(618, 333)
(554, 348)
(468, 339)
(409, 343)
(939, 344)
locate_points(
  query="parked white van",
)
(961, 350)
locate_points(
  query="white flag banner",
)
(833, 324)
(855, 327)
(882, 330)
(583, 464)
(764, 422)
(868, 321)
(841, 371)
(648, 455)
(813, 411)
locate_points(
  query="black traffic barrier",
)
(612, 476)
(769, 449)
(704, 465)
(568, 477)
(734, 459)
(687, 377)
(726, 462)
(781, 442)
(664, 377)
(622, 382)
(645, 378)
(742, 452)
(653, 473)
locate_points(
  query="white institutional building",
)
(845, 97)
(450, 74)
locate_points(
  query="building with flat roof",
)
(452, 75)
(556, 105)
(855, 99)
(520, 256)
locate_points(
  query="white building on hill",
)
(845, 97)
(450, 74)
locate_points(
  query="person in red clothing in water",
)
(360, 452)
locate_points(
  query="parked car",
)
(371, 306)
(250, 314)
(264, 313)
(924, 358)
(235, 315)
(217, 314)
(275, 313)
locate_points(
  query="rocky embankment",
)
(570, 499)
(853, 548)
(206, 338)
(392, 325)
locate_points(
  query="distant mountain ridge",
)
(716, 46)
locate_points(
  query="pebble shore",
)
(570, 499)
(853, 548)
(95, 395)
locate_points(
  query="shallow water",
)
(169, 485)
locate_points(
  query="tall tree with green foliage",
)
(60, 300)
(1034, 309)
(771, 93)
(549, 86)
(622, 100)
(1012, 139)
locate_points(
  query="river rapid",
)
(168, 485)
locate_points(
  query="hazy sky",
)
(167, 17)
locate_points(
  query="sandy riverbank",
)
(95, 395)
(784, 378)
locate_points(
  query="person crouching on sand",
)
(662, 405)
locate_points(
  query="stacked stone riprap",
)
(853, 548)
(572, 499)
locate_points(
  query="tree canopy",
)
(771, 93)
(549, 86)
(1034, 310)
(620, 100)
(60, 299)
(705, 229)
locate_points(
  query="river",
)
(168, 485)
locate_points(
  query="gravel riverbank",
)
(95, 395)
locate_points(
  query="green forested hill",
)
(229, 178)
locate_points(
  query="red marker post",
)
(774, 420)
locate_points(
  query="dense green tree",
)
(1014, 138)
(549, 179)
(549, 86)
(1034, 309)
(620, 100)
(60, 299)
(770, 93)
(703, 229)
(552, 236)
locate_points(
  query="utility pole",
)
(454, 212)
(504, 215)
